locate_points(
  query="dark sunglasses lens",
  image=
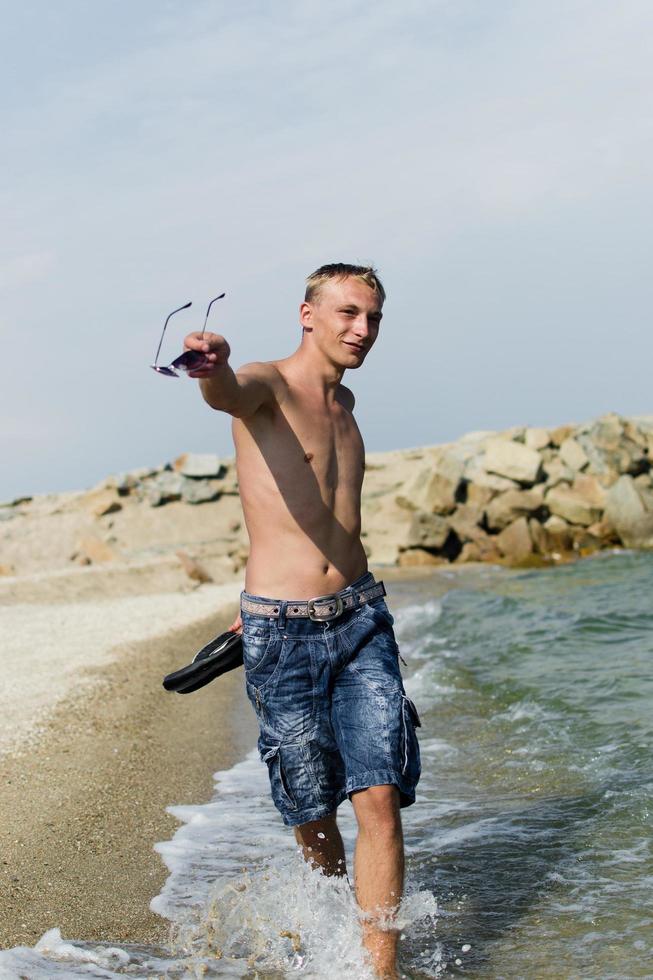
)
(190, 360)
(169, 373)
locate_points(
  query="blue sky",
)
(492, 160)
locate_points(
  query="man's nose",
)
(361, 326)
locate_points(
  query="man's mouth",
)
(357, 347)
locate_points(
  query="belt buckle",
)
(325, 598)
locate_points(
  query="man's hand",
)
(237, 625)
(215, 348)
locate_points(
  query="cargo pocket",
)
(411, 765)
(281, 794)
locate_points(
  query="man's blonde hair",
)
(342, 270)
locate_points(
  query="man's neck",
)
(315, 371)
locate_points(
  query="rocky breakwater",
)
(164, 527)
(523, 496)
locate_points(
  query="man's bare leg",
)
(322, 845)
(379, 871)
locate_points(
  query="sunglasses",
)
(190, 360)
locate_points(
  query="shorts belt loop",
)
(281, 622)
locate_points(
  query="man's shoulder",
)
(265, 372)
(263, 388)
(346, 397)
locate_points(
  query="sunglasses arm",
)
(158, 350)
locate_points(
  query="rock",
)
(559, 538)
(512, 460)
(584, 543)
(199, 465)
(427, 531)
(590, 489)
(105, 502)
(482, 547)
(536, 438)
(604, 533)
(93, 550)
(476, 476)
(508, 506)
(419, 556)
(470, 552)
(571, 505)
(573, 455)
(626, 511)
(124, 483)
(562, 432)
(466, 521)
(193, 569)
(632, 431)
(515, 542)
(164, 488)
(611, 450)
(478, 496)
(539, 537)
(556, 472)
(607, 431)
(434, 489)
(644, 481)
(200, 491)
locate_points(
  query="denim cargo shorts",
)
(332, 711)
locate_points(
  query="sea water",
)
(529, 847)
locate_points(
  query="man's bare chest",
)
(328, 444)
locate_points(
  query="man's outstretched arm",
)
(240, 393)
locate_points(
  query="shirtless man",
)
(323, 677)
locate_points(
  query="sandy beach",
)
(94, 750)
(90, 767)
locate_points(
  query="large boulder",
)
(419, 556)
(508, 506)
(199, 466)
(591, 489)
(557, 472)
(435, 488)
(512, 461)
(559, 434)
(610, 451)
(515, 542)
(571, 505)
(200, 491)
(466, 522)
(628, 514)
(559, 538)
(536, 438)
(427, 531)
(482, 548)
(164, 488)
(573, 455)
(477, 495)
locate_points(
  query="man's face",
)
(344, 320)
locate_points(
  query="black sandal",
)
(223, 653)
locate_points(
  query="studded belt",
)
(321, 609)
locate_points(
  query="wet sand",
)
(83, 804)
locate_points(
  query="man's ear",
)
(306, 316)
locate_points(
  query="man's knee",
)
(316, 830)
(377, 809)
